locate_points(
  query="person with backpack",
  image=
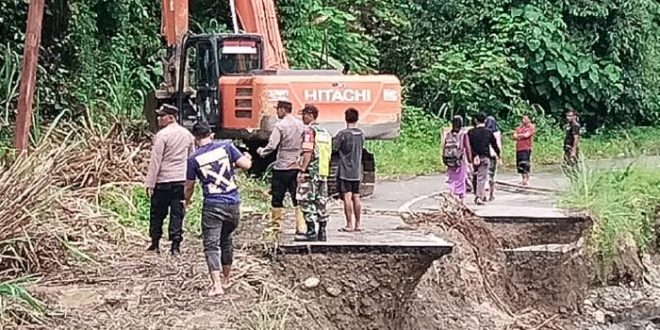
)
(312, 193)
(456, 155)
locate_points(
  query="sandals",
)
(349, 230)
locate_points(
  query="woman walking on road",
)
(491, 125)
(456, 154)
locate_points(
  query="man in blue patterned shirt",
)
(213, 163)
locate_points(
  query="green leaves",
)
(600, 58)
(554, 81)
(562, 68)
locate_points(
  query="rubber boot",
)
(175, 251)
(322, 235)
(310, 235)
(154, 246)
(276, 217)
(300, 222)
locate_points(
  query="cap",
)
(167, 109)
(201, 129)
(284, 105)
(310, 109)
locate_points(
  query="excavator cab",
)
(204, 60)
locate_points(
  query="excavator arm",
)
(260, 17)
(174, 21)
(255, 16)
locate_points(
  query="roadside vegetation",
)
(130, 204)
(417, 151)
(623, 204)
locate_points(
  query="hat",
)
(201, 130)
(167, 109)
(310, 109)
(284, 105)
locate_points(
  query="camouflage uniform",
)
(312, 193)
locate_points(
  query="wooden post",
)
(28, 74)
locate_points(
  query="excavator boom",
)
(260, 17)
(174, 22)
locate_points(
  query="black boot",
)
(322, 236)
(310, 235)
(175, 248)
(154, 245)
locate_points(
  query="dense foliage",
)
(500, 56)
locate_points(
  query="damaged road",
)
(423, 261)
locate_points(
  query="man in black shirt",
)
(481, 140)
(572, 139)
(348, 143)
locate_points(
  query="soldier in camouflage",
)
(312, 192)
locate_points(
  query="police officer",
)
(166, 176)
(286, 138)
(312, 180)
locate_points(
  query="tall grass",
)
(623, 143)
(9, 74)
(129, 204)
(622, 203)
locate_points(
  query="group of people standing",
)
(180, 157)
(305, 178)
(472, 156)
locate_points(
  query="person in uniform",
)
(166, 176)
(312, 191)
(286, 139)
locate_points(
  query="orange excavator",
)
(233, 81)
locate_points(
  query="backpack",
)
(324, 144)
(452, 153)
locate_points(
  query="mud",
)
(550, 281)
(513, 233)
(509, 275)
(358, 290)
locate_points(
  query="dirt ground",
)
(480, 285)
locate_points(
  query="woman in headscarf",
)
(491, 125)
(457, 155)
